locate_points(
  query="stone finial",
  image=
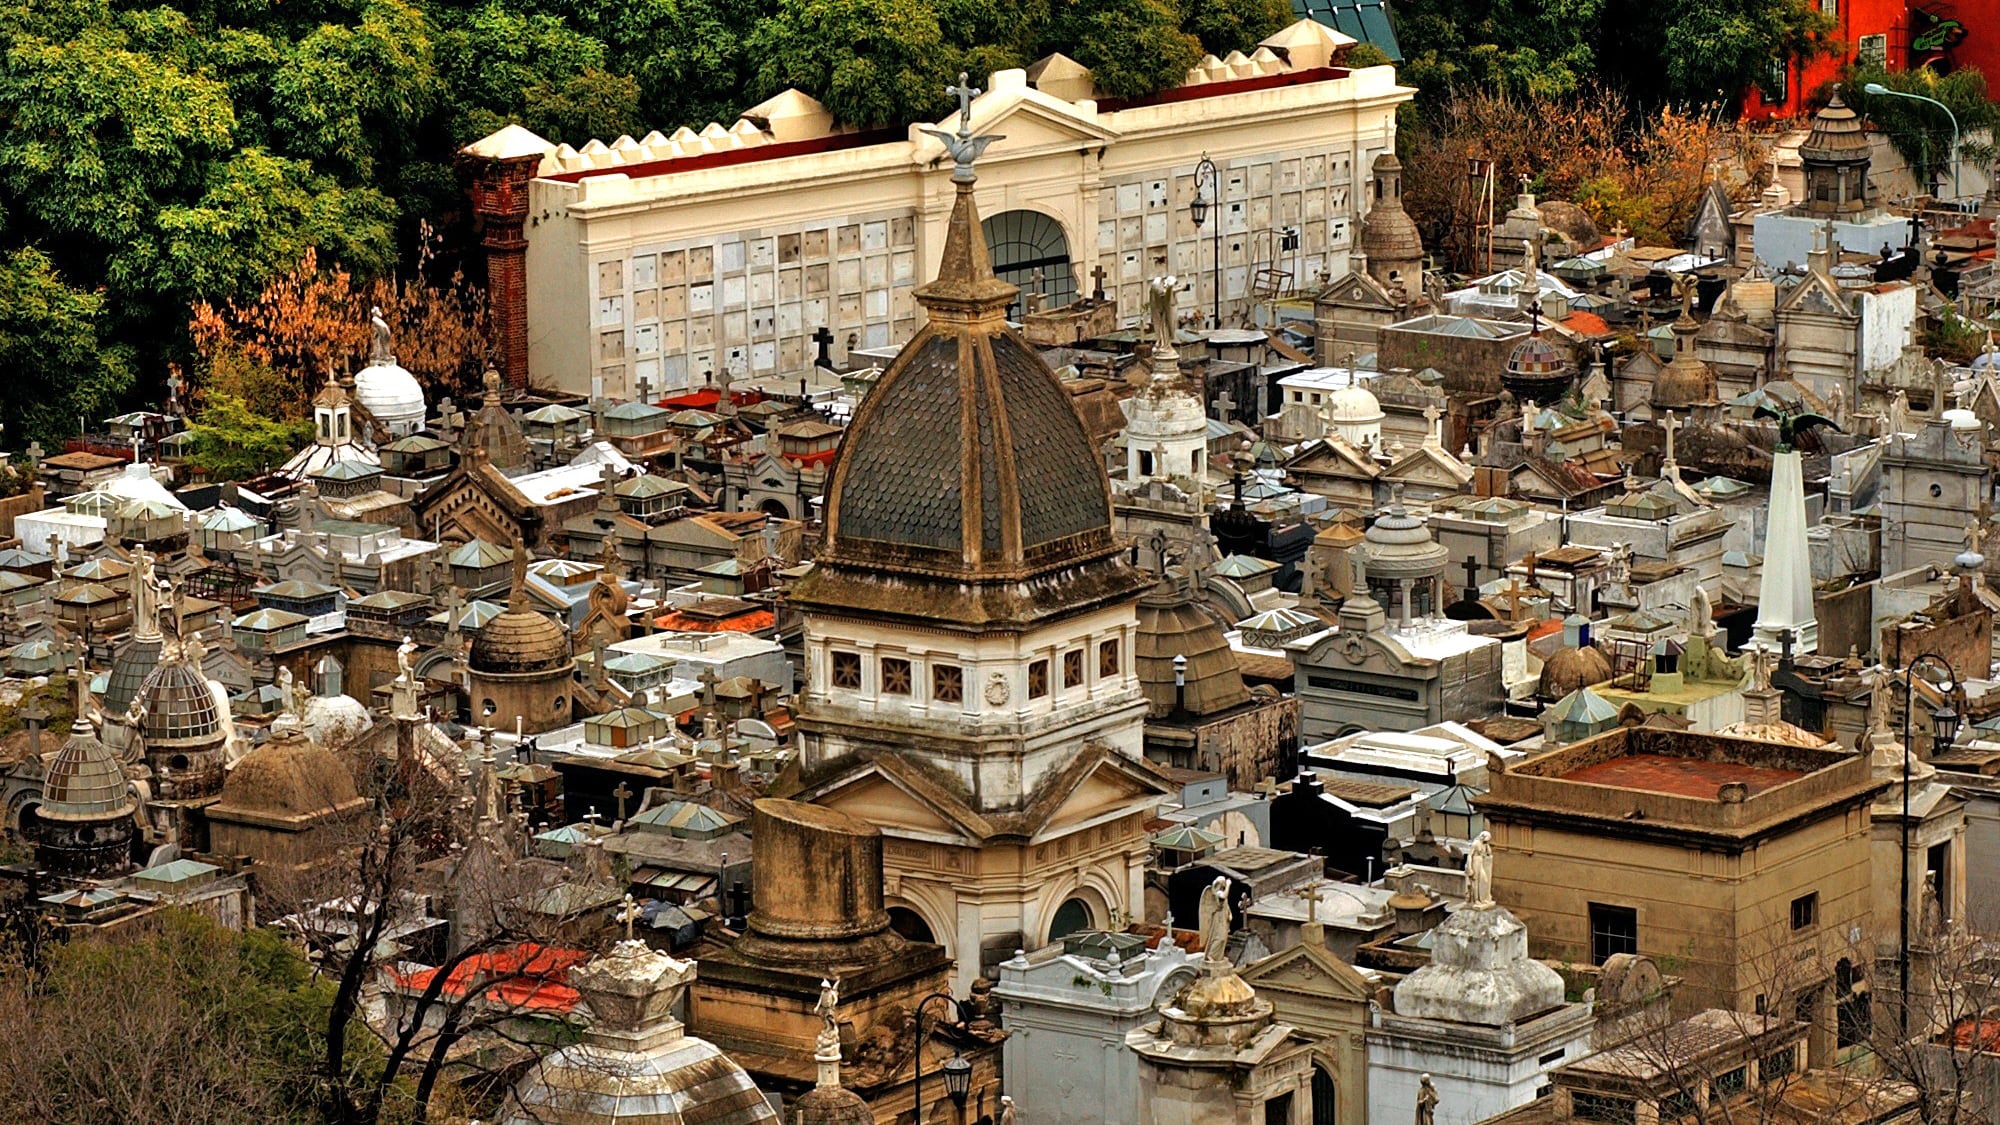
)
(632, 988)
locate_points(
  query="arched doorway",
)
(776, 508)
(1071, 916)
(1022, 242)
(910, 925)
(1326, 1098)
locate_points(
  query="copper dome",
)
(84, 781)
(518, 639)
(968, 458)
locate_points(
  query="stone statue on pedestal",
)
(1215, 919)
(1427, 1101)
(1479, 872)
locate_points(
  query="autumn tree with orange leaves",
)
(274, 352)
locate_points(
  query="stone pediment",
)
(1104, 789)
(1817, 295)
(1359, 290)
(882, 800)
(1030, 120)
(1334, 459)
(1312, 970)
(1430, 466)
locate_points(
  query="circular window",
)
(1937, 490)
(487, 707)
(558, 704)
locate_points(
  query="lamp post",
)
(1198, 211)
(957, 1069)
(1876, 89)
(1944, 728)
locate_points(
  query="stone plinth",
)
(1480, 973)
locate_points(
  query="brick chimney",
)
(501, 167)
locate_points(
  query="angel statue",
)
(1215, 919)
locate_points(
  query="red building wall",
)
(1950, 34)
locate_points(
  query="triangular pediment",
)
(1359, 290)
(1030, 120)
(1430, 466)
(1334, 459)
(1310, 969)
(1817, 295)
(1105, 789)
(882, 801)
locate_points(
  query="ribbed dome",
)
(84, 781)
(135, 661)
(1170, 625)
(179, 705)
(968, 458)
(1571, 668)
(1388, 234)
(392, 396)
(1836, 137)
(288, 776)
(519, 639)
(1538, 370)
(1399, 545)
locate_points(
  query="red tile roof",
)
(532, 977)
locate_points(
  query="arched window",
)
(1022, 242)
(910, 925)
(1071, 916)
(1326, 1100)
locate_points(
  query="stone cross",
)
(965, 92)
(592, 816)
(624, 794)
(645, 386)
(35, 455)
(1975, 534)
(35, 716)
(1434, 433)
(1097, 281)
(1225, 406)
(824, 338)
(629, 915)
(708, 680)
(1312, 896)
(1670, 424)
(175, 384)
(1471, 577)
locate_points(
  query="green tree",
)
(1922, 133)
(872, 63)
(1132, 47)
(500, 64)
(1235, 25)
(232, 442)
(53, 345)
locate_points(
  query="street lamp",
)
(957, 1069)
(1198, 211)
(1944, 728)
(1876, 89)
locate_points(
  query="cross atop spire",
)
(962, 145)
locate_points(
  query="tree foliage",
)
(230, 441)
(1689, 52)
(166, 157)
(172, 1020)
(1646, 171)
(1920, 132)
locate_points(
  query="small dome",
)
(135, 661)
(84, 781)
(179, 705)
(334, 721)
(392, 396)
(1836, 136)
(1571, 668)
(1353, 404)
(518, 639)
(288, 776)
(1399, 545)
(1388, 234)
(831, 1105)
(1169, 626)
(1538, 370)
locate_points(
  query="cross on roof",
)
(1512, 595)
(1225, 405)
(624, 794)
(708, 680)
(965, 92)
(1670, 424)
(1312, 896)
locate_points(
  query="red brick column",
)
(500, 198)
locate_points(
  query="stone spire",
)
(1784, 591)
